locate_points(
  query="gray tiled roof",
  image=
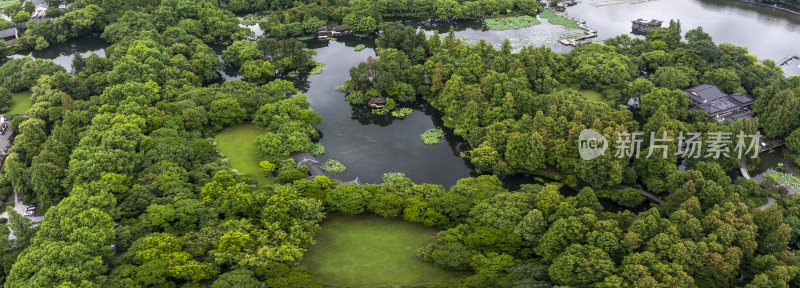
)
(704, 93)
(719, 105)
(741, 98)
(7, 33)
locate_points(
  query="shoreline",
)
(774, 6)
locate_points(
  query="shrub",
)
(317, 69)
(627, 197)
(342, 88)
(333, 166)
(402, 112)
(267, 167)
(316, 149)
(357, 97)
(391, 176)
(291, 175)
(432, 136)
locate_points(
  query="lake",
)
(370, 145)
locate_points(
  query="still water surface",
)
(372, 145)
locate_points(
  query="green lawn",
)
(236, 143)
(370, 251)
(20, 102)
(592, 95)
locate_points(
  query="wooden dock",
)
(576, 42)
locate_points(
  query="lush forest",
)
(520, 114)
(120, 154)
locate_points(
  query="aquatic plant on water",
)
(402, 113)
(304, 38)
(559, 20)
(432, 136)
(570, 35)
(391, 176)
(784, 179)
(316, 149)
(516, 22)
(380, 111)
(333, 166)
(342, 88)
(360, 47)
(317, 69)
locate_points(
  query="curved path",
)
(770, 201)
(743, 169)
(306, 159)
(650, 196)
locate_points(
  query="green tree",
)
(581, 265)
(22, 17)
(225, 112)
(348, 199)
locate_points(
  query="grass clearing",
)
(20, 102)
(236, 143)
(592, 95)
(755, 201)
(507, 23)
(367, 250)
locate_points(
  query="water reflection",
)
(370, 145)
(63, 53)
(766, 32)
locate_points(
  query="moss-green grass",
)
(236, 143)
(755, 201)
(359, 251)
(20, 102)
(592, 95)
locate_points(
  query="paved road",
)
(21, 209)
(770, 201)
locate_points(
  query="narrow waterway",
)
(63, 53)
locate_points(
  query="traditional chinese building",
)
(719, 105)
(640, 25)
(8, 34)
(323, 32)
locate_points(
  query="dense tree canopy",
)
(119, 154)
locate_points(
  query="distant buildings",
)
(719, 105)
(323, 32)
(640, 25)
